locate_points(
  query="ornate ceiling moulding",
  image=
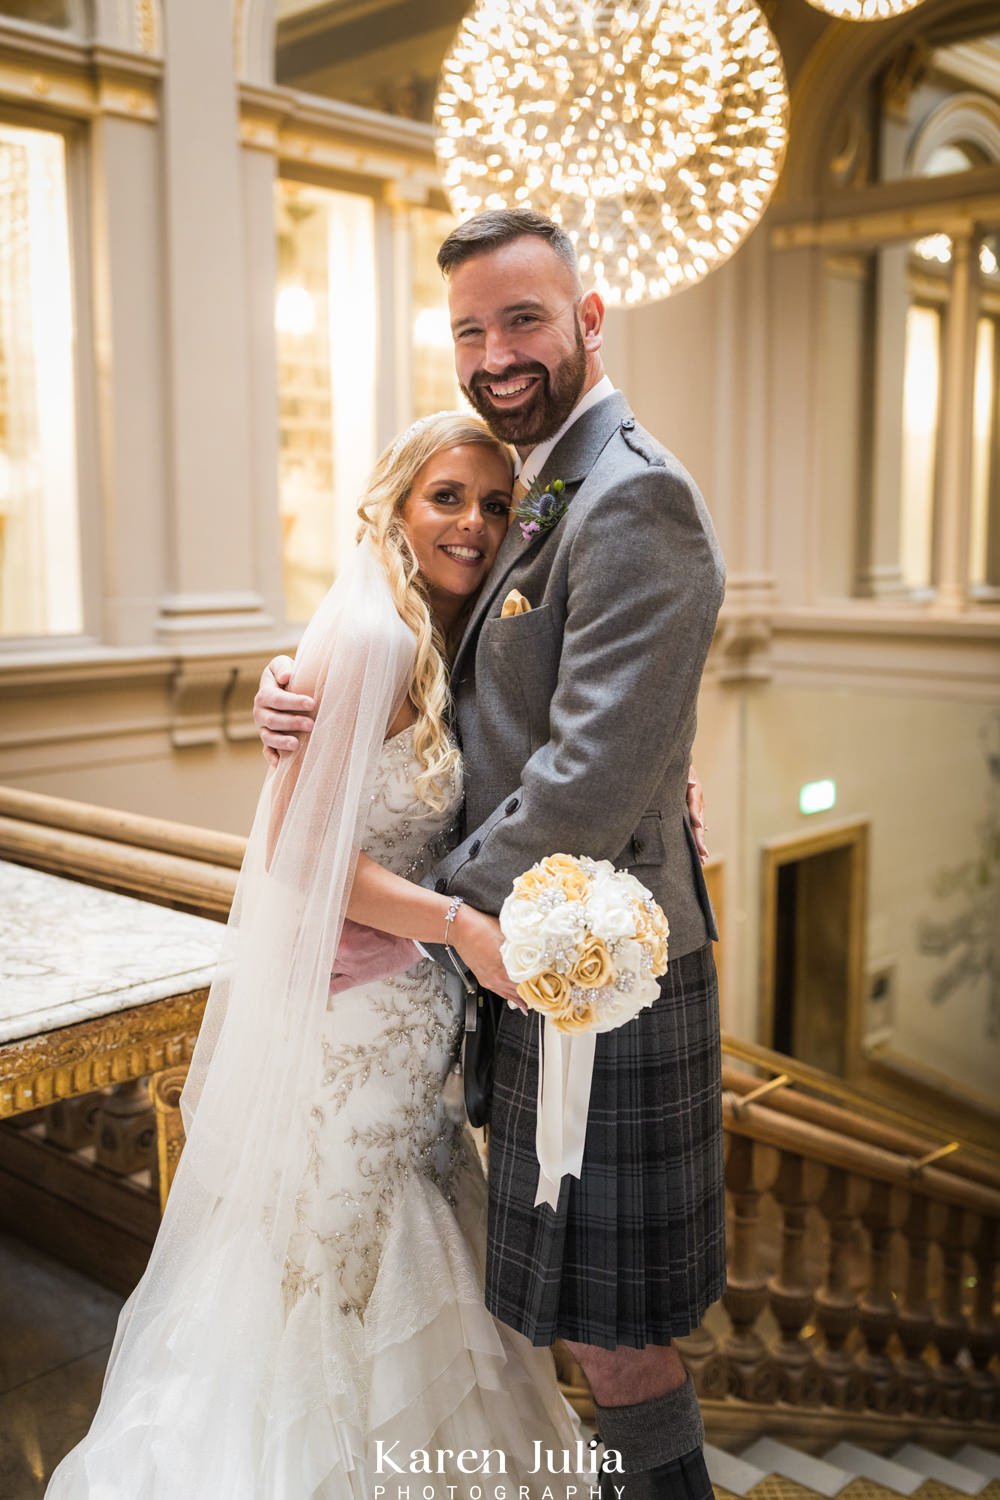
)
(654, 133)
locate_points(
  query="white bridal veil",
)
(184, 1407)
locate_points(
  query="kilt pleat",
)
(635, 1250)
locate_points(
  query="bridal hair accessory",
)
(409, 433)
(541, 509)
(585, 944)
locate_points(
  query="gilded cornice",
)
(77, 79)
(338, 137)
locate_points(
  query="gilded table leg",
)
(165, 1091)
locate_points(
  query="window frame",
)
(76, 137)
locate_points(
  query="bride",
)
(311, 1323)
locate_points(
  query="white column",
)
(213, 591)
(957, 419)
(259, 170)
(125, 403)
(879, 571)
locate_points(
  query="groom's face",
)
(520, 351)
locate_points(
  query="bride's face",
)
(456, 517)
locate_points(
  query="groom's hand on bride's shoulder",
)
(281, 717)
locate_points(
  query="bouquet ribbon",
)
(565, 1074)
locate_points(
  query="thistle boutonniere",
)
(542, 508)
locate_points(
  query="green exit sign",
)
(817, 796)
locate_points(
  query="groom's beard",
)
(550, 403)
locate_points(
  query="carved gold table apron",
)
(98, 988)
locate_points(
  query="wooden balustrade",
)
(984, 1334)
(877, 1311)
(745, 1296)
(836, 1300)
(853, 1232)
(950, 1334)
(791, 1294)
(859, 1252)
(916, 1315)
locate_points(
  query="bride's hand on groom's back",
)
(281, 717)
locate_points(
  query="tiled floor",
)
(56, 1328)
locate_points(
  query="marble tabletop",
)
(71, 952)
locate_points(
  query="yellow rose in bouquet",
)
(593, 969)
(548, 992)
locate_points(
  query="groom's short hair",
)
(498, 226)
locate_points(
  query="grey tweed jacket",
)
(577, 718)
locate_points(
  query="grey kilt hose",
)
(635, 1251)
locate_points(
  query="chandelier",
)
(864, 10)
(652, 130)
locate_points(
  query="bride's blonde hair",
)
(381, 513)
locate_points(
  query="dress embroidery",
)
(387, 1047)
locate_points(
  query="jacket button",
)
(512, 805)
(637, 847)
(628, 423)
(475, 847)
(441, 886)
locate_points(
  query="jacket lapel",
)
(571, 460)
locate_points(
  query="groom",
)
(576, 718)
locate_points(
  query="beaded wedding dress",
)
(384, 1338)
(387, 1335)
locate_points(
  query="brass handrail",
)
(836, 1149)
(979, 1160)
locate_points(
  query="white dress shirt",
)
(529, 470)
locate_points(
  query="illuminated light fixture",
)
(937, 247)
(865, 10)
(654, 132)
(817, 796)
(295, 310)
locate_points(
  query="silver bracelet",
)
(456, 902)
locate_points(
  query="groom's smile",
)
(511, 389)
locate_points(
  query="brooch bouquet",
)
(585, 944)
(541, 509)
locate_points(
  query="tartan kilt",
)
(635, 1251)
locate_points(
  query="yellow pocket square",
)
(514, 604)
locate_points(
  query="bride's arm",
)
(389, 903)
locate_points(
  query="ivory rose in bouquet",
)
(584, 943)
